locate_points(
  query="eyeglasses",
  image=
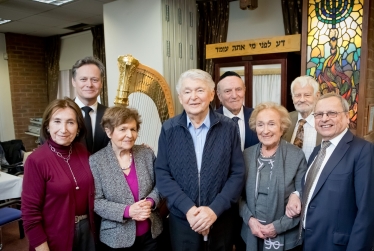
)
(329, 114)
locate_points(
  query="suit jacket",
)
(100, 138)
(340, 213)
(288, 135)
(250, 136)
(113, 194)
(290, 167)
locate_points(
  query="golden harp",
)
(137, 78)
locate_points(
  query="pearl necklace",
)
(129, 166)
(67, 162)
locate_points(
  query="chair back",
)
(13, 150)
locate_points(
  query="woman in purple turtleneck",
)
(125, 193)
(58, 187)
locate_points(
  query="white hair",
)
(195, 74)
(304, 81)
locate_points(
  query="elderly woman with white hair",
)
(274, 169)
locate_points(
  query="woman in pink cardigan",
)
(58, 187)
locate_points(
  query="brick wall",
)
(27, 77)
(369, 99)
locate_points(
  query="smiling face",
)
(88, 83)
(328, 127)
(231, 91)
(63, 126)
(268, 128)
(123, 136)
(304, 99)
(195, 96)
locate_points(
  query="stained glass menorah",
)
(333, 11)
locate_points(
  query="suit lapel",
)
(251, 175)
(333, 161)
(288, 135)
(247, 134)
(139, 164)
(98, 131)
(118, 180)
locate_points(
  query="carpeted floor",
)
(11, 240)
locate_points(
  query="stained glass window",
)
(334, 48)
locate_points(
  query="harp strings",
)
(151, 124)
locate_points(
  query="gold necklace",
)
(67, 161)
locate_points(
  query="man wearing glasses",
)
(338, 192)
(305, 93)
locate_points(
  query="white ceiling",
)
(43, 20)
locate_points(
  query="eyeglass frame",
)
(330, 114)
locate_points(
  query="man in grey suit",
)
(305, 93)
(88, 74)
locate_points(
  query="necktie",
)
(88, 124)
(300, 134)
(313, 171)
(236, 119)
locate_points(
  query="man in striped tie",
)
(302, 133)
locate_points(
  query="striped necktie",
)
(312, 174)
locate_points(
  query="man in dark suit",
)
(231, 92)
(305, 93)
(338, 194)
(87, 76)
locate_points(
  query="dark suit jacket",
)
(101, 140)
(288, 135)
(250, 136)
(340, 213)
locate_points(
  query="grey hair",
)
(195, 74)
(343, 102)
(87, 61)
(304, 81)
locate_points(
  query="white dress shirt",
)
(241, 124)
(310, 135)
(334, 142)
(93, 113)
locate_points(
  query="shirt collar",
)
(80, 104)
(335, 141)
(206, 121)
(309, 119)
(229, 114)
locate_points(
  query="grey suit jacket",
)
(288, 135)
(289, 168)
(113, 194)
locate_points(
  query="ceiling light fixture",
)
(54, 2)
(4, 21)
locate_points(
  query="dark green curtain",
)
(292, 14)
(52, 60)
(98, 46)
(213, 20)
